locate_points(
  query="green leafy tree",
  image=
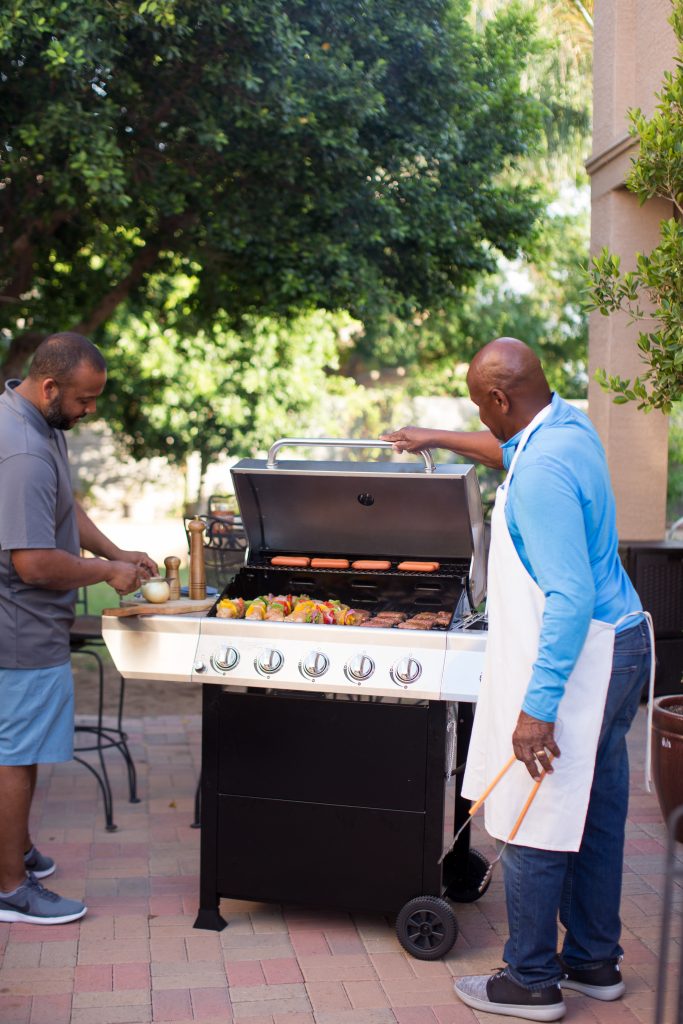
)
(653, 292)
(229, 392)
(544, 307)
(282, 154)
(540, 297)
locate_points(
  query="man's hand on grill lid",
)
(475, 445)
(532, 741)
(409, 439)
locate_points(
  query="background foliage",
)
(653, 292)
(341, 154)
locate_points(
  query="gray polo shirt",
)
(36, 511)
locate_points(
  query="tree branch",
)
(24, 345)
(18, 353)
(583, 12)
(23, 248)
(142, 264)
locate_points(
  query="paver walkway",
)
(135, 957)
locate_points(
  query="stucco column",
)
(633, 45)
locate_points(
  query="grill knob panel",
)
(406, 671)
(359, 668)
(269, 662)
(314, 665)
(225, 659)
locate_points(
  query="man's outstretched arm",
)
(475, 445)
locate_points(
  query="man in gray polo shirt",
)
(42, 530)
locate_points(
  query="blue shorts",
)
(36, 715)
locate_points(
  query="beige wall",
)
(633, 45)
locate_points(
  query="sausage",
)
(418, 566)
(295, 561)
(329, 563)
(378, 566)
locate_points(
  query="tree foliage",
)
(540, 301)
(654, 290)
(539, 297)
(232, 391)
(283, 155)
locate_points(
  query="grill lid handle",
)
(336, 442)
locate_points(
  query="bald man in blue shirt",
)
(559, 514)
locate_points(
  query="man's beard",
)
(55, 417)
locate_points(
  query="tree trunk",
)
(18, 354)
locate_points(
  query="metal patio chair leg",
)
(97, 730)
(122, 745)
(674, 873)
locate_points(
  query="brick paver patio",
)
(135, 957)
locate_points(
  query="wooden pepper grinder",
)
(197, 565)
(172, 578)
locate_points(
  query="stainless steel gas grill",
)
(331, 753)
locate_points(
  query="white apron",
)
(557, 816)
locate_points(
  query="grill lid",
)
(362, 509)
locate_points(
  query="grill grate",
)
(388, 590)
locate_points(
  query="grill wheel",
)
(427, 927)
(470, 885)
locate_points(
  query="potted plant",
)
(667, 755)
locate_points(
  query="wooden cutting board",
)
(181, 607)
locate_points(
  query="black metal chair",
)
(85, 639)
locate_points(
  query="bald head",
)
(507, 382)
(510, 365)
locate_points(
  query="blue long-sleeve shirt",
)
(562, 520)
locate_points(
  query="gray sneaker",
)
(34, 904)
(501, 994)
(38, 864)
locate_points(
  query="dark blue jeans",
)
(583, 888)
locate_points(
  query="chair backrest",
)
(226, 503)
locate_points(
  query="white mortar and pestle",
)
(155, 590)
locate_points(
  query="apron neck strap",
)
(528, 431)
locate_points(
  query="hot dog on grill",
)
(378, 565)
(295, 561)
(418, 566)
(329, 563)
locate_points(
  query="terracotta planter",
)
(667, 755)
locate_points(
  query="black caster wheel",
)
(427, 927)
(469, 885)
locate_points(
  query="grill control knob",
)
(269, 662)
(314, 665)
(406, 671)
(359, 668)
(199, 665)
(224, 659)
